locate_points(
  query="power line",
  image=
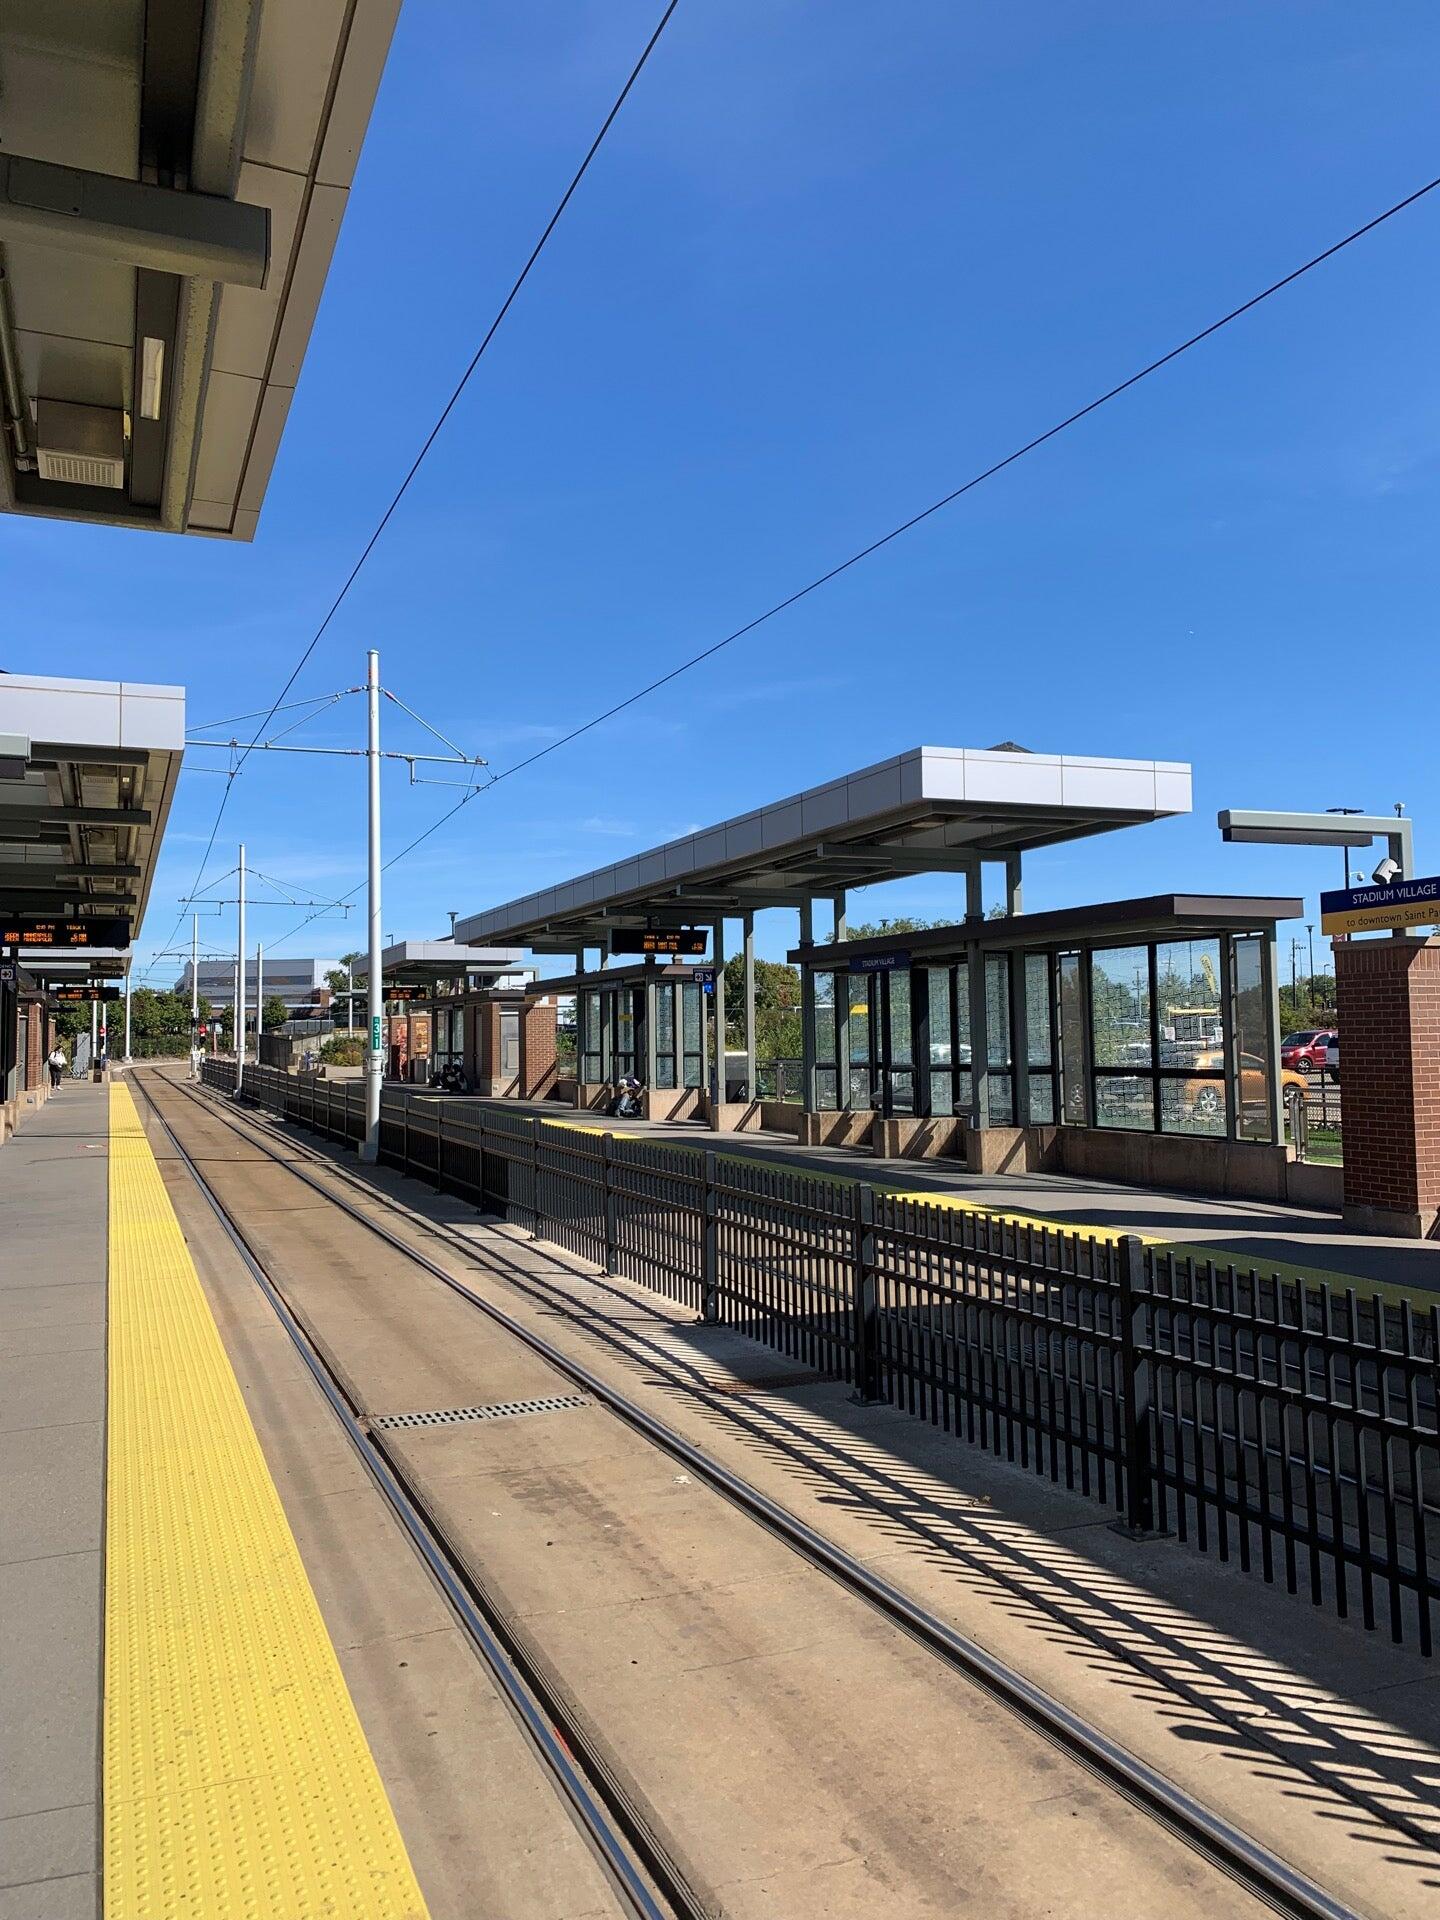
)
(905, 526)
(976, 480)
(431, 437)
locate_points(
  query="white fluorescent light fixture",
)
(152, 376)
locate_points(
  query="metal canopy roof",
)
(88, 770)
(1158, 916)
(173, 179)
(931, 810)
(420, 962)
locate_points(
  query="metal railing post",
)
(1134, 1391)
(607, 1200)
(534, 1178)
(866, 1329)
(439, 1146)
(710, 1243)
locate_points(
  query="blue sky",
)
(831, 261)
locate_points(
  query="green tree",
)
(337, 979)
(877, 929)
(777, 1008)
(274, 1013)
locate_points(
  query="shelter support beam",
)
(1014, 897)
(195, 235)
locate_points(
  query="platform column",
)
(807, 1012)
(718, 1078)
(842, 1010)
(751, 1089)
(975, 983)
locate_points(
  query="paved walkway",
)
(52, 1432)
(1251, 1232)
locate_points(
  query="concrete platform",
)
(53, 1175)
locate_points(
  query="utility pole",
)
(194, 974)
(240, 982)
(127, 1010)
(259, 993)
(350, 999)
(94, 1033)
(1310, 935)
(374, 1063)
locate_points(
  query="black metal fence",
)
(1270, 1420)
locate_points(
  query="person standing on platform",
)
(57, 1064)
(197, 1058)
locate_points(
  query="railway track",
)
(634, 1854)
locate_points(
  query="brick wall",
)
(1389, 1019)
(537, 1049)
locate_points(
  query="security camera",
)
(1385, 872)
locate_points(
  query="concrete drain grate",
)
(499, 1410)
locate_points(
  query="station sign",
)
(64, 933)
(84, 993)
(881, 962)
(681, 940)
(703, 976)
(406, 993)
(9, 973)
(1404, 903)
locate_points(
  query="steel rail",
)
(616, 1832)
(1262, 1872)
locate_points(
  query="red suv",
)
(1305, 1052)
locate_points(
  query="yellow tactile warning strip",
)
(237, 1779)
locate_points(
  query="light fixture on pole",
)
(374, 1060)
(374, 1064)
(240, 982)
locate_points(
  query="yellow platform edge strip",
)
(1034, 1222)
(237, 1780)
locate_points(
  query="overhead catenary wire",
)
(433, 434)
(916, 519)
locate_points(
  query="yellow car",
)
(1206, 1098)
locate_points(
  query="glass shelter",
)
(1151, 1016)
(644, 1022)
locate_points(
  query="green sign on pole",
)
(375, 1034)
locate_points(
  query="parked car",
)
(1332, 1059)
(1305, 1052)
(1206, 1098)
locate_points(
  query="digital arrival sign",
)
(1404, 903)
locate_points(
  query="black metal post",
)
(534, 1178)
(866, 1312)
(710, 1244)
(1134, 1389)
(607, 1198)
(439, 1146)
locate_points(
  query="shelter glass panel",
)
(939, 989)
(1253, 1063)
(665, 1035)
(623, 1063)
(509, 1043)
(1125, 1100)
(592, 1064)
(998, 1039)
(692, 1016)
(901, 1042)
(858, 986)
(1120, 1006)
(1040, 1038)
(826, 1080)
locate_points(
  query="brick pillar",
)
(1388, 995)
(537, 1049)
